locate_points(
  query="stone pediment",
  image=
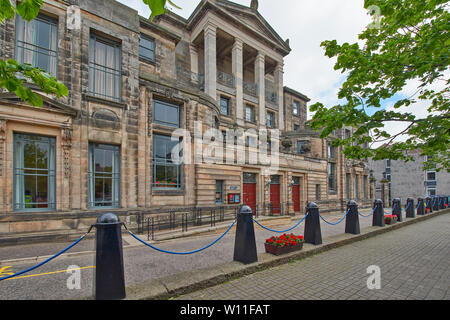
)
(48, 103)
(247, 17)
(253, 20)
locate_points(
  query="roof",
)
(297, 94)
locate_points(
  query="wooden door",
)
(296, 197)
(249, 193)
(275, 198)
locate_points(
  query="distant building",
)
(408, 179)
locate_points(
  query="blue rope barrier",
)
(49, 259)
(334, 224)
(369, 214)
(179, 253)
(418, 204)
(391, 211)
(283, 230)
(407, 207)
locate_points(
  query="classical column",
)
(260, 81)
(66, 146)
(279, 83)
(194, 62)
(210, 61)
(238, 71)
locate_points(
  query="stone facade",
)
(408, 179)
(222, 50)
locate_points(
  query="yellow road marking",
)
(4, 271)
(47, 273)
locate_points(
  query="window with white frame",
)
(296, 108)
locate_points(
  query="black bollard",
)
(428, 205)
(410, 212)
(435, 203)
(420, 206)
(378, 215)
(245, 243)
(312, 231)
(109, 279)
(352, 219)
(397, 209)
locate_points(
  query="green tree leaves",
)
(412, 46)
(158, 7)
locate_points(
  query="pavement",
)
(413, 262)
(153, 275)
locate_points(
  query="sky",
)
(306, 23)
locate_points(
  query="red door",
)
(249, 194)
(275, 198)
(296, 197)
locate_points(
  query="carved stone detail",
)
(66, 144)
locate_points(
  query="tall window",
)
(104, 68)
(104, 175)
(166, 171)
(166, 114)
(147, 48)
(332, 176)
(317, 191)
(37, 43)
(296, 108)
(224, 106)
(357, 186)
(331, 151)
(34, 173)
(270, 119)
(250, 113)
(219, 191)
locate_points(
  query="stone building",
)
(133, 84)
(400, 179)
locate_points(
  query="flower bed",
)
(390, 219)
(284, 244)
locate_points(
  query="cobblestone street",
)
(414, 263)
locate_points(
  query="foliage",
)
(158, 7)
(411, 45)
